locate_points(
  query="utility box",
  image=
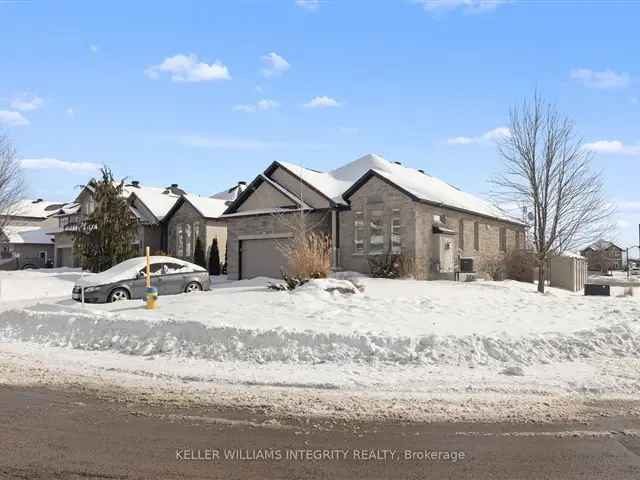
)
(595, 290)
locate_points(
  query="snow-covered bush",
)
(494, 266)
(520, 265)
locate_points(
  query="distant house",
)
(24, 241)
(367, 208)
(603, 255)
(169, 220)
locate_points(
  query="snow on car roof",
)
(26, 234)
(335, 183)
(129, 268)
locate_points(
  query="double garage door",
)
(262, 258)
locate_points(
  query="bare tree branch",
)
(11, 179)
(548, 170)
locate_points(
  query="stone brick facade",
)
(205, 228)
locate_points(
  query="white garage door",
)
(262, 258)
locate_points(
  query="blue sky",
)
(208, 93)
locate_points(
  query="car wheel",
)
(193, 287)
(118, 295)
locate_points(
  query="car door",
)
(140, 283)
(172, 278)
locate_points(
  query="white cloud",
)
(264, 104)
(615, 147)
(26, 103)
(12, 119)
(322, 102)
(188, 68)
(55, 164)
(94, 48)
(603, 80)
(491, 136)
(468, 6)
(311, 5)
(274, 64)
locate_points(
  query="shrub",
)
(494, 266)
(520, 265)
(309, 255)
(198, 254)
(214, 258)
(390, 266)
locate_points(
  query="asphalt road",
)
(54, 434)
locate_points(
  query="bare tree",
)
(548, 170)
(11, 179)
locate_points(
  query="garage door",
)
(262, 258)
(64, 257)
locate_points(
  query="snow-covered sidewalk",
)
(398, 339)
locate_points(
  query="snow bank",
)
(60, 326)
(32, 284)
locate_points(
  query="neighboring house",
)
(23, 234)
(603, 256)
(149, 205)
(195, 216)
(29, 212)
(25, 246)
(368, 207)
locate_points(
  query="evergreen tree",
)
(105, 237)
(198, 254)
(214, 258)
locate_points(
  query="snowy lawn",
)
(396, 337)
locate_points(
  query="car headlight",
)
(91, 289)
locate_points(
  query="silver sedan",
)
(127, 280)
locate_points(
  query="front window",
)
(476, 236)
(358, 232)
(376, 233)
(461, 235)
(187, 240)
(179, 244)
(396, 232)
(503, 239)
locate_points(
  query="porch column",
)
(334, 239)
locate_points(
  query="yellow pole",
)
(148, 269)
(151, 296)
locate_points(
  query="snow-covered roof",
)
(335, 183)
(602, 245)
(207, 206)
(26, 234)
(158, 200)
(230, 194)
(34, 208)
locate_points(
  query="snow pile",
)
(329, 285)
(44, 283)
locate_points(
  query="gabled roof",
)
(26, 234)
(34, 208)
(231, 194)
(339, 184)
(260, 179)
(602, 245)
(159, 201)
(206, 206)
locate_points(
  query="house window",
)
(396, 240)
(358, 232)
(476, 236)
(461, 234)
(179, 244)
(503, 239)
(187, 240)
(196, 233)
(376, 232)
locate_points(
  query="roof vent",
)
(174, 185)
(242, 182)
(135, 183)
(421, 171)
(397, 163)
(38, 200)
